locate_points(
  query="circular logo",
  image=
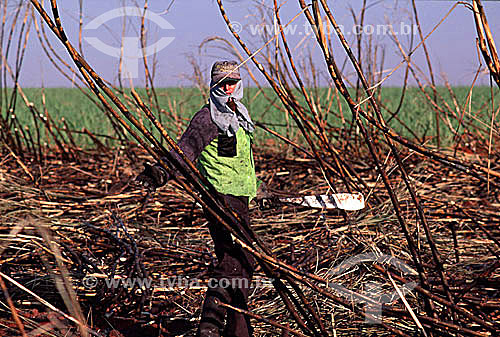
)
(89, 282)
(131, 49)
(373, 295)
(235, 26)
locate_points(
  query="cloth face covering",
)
(227, 120)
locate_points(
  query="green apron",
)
(231, 175)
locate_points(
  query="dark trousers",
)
(231, 278)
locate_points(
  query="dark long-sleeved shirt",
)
(226, 162)
(200, 132)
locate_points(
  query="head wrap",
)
(227, 120)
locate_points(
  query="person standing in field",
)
(219, 138)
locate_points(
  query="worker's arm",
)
(200, 132)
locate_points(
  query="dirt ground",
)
(66, 228)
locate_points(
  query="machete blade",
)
(345, 201)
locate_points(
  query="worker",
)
(219, 137)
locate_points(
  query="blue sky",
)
(452, 46)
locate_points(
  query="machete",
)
(345, 201)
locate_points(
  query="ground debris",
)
(112, 235)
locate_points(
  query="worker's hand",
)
(264, 197)
(152, 177)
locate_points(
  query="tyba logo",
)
(374, 294)
(132, 50)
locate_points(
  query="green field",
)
(416, 113)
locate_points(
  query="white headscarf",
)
(227, 120)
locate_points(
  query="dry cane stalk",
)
(485, 36)
(402, 169)
(84, 68)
